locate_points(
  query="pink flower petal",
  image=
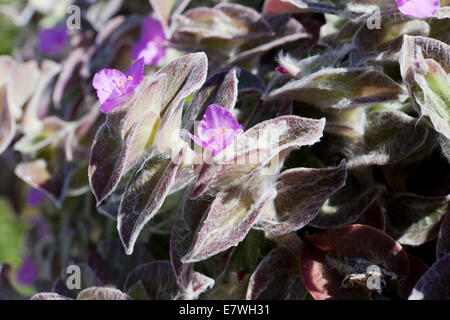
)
(150, 51)
(108, 82)
(136, 73)
(217, 129)
(418, 8)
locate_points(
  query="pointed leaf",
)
(311, 187)
(334, 264)
(277, 277)
(144, 195)
(254, 149)
(231, 215)
(443, 243)
(340, 88)
(435, 283)
(389, 136)
(7, 122)
(413, 219)
(425, 64)
(157, 278)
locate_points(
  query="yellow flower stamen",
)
(130, 78)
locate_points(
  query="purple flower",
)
(52, 41)
(217, 129)
(115, 88)
(41, 225)
(27, 272)
(35, 197)
(150, 45)
(418, 8)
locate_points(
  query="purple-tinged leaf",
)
(165, 8)
(157, 278)
(112, 157)
(277, 277)
(255, 148)
(373, 216)
(417, 268)
(340, 88)
(224, 21)
(231, 215)
(346, 206)
(22, 85)
(335, 264)
(286, 30)
(339, 7)
(7, 122)
(277, 7)
(266, 110)
(384, 44)
(414, 219)
(145, 194)
(435, 283)
(443, 242)
(191, 283)
(183, 235)
(389, 136)
(168, 87)
(49, 296)
(41, 98)
(99, 293)
(311, 187)
(69, 67)
(249, 83)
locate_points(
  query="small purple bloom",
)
(217, 129)
(27, 272)
(150, 46)
(115, 88)
(41, 225)
(52, 41)
(418, 8)
(35, 197)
